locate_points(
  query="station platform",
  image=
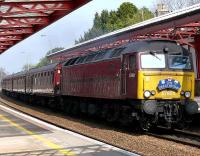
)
(197, 99)
(22, 135)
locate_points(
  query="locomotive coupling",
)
(191, 107)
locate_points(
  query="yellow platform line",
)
(40, 138)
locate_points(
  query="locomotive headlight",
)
(153, 92)
(182, 93)
(187, 94)
(147, 94)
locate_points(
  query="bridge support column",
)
(197, 52)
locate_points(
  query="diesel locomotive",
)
(150, 81)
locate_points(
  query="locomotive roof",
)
(152, 45)
(157, 45)
(148, 45)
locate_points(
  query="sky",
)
(62, 33)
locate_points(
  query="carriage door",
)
(128, 74)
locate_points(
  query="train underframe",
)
(147, 113)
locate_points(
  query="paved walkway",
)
(22, 135)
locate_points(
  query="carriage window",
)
(116, 52)
(100, 55)
(71, 61)
(80, 60)
(66, 64)
(89, 58)
(132, 62)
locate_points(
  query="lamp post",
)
(50, 43)
(27, 59)
(48, 39)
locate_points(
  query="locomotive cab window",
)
(153, 61)
(179, 62)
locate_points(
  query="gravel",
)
(135, 142)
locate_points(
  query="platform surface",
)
(22, 135)
(197, 99)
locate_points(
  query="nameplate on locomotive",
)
(169, 84)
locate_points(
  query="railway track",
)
(183, 137)
(180, 136)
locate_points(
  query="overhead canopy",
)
(180, 25)
(22, 18)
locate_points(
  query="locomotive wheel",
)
(61, 104)
(43, 102)
(125, 117)
(75, 109)
(112, 116)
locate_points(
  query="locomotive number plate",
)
(168, 93)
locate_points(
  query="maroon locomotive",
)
(151, 81)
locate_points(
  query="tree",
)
(3, 74)
(127, 10)
(45, 61)
(54, 50)
(145, 14)
(126, 15)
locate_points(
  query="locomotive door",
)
(123, 72)
(128, 75)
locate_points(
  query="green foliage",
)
(45, 61)
(54, 50)
(127, 14)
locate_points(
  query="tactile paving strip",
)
(7, 130)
